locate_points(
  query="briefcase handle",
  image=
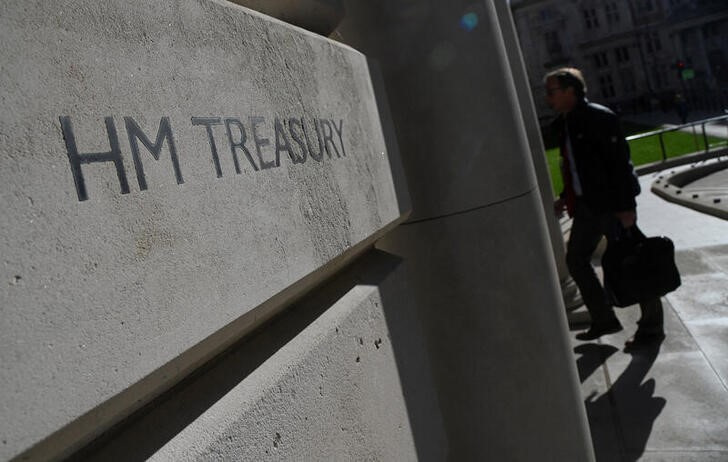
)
(631, 234)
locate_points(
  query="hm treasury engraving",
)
(298, 138)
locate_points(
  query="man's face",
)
(559, 99)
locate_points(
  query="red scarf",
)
(569, 193)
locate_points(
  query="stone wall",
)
(173, 174)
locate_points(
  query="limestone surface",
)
(172, 172)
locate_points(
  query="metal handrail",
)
(661, 132)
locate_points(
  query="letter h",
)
(76, 158)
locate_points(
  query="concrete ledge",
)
(683, 178)
(677, 188)
(342, 374)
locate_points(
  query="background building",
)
(637, 55)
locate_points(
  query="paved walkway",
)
(669, 403)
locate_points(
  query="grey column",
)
(570, 293)
(477, 245)
(533, 132)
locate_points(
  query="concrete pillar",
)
(533, 132)
(476, 246)
(570, 293)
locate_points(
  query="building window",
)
(600, 60)
(718, 65)
(652, 42)
(606, 85)
(547, 14)
(713, 30)
(658, 77)
(622, 54)
(645, 6)
(628, 83)
(590, 18)
(612, 13)
(553, 44)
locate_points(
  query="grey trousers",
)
(587, 230)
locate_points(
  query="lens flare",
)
(469, 21)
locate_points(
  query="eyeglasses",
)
(551, 91)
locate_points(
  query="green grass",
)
(645, 150)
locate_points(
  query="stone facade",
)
(630, 50)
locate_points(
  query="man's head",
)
(565, 87)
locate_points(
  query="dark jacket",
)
(608, 180)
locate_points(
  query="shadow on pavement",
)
(621, 419)
(592, 356)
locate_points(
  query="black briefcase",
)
(639, 268)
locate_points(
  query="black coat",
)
(608, 180)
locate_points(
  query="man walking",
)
(600, 186)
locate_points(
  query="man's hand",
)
(627, 218)
(559, 206)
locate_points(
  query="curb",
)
(676, 188)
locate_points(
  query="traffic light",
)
(684, 72)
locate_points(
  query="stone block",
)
(341, 375)
(172, 173)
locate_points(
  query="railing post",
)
(705, 139)
(695, 137)
(662, 147)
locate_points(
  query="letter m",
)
(164, 133)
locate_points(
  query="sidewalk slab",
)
(668, 403)
(600, 411)
(660, 401)
(685, 456)
(687, 228)
(679, 405)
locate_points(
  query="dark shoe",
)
(596, 331)
(642, 340)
